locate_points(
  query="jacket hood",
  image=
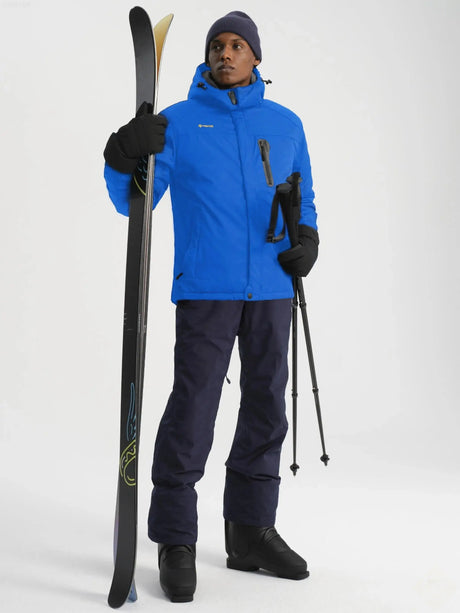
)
(202, 88)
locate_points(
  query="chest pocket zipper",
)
(264, 147)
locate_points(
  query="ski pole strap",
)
(271, 238)
(290, 205)
(287, 196)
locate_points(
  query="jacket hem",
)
(255, 296)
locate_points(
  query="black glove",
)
(299, 260)
(142, 135)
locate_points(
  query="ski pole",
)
(303, 309)
(294, 466)
(289, 198)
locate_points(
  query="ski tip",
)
(137, 9)
(161, 28)
(139, 18)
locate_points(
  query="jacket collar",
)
(205, 91)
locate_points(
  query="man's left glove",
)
(299, 260)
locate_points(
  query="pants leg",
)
(205, 335)
(252, 480)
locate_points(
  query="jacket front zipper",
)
(264, 147)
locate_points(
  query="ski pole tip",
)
(325, 458)
(294, 467)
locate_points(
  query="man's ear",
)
(256, 62)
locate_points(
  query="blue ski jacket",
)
(225, 152)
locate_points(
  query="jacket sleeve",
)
(308, 210)
(119, 184)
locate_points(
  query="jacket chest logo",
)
(205, 125)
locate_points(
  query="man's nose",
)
(226, 54)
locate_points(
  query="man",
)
(222, 153)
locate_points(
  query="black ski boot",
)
(177, 571)
(254, 547)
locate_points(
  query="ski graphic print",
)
(129, 455)
(148, 45)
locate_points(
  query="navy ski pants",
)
(205, 334)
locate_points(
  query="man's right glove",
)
(299, 260)
(143, 135)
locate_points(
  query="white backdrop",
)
(376, 85)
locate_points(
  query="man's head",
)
(233, 49)
(238, 23)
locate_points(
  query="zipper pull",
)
(264, 147)
(232, 96)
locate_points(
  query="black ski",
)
(148, 45)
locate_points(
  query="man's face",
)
(231, 60)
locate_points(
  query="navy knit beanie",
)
(240, 24)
